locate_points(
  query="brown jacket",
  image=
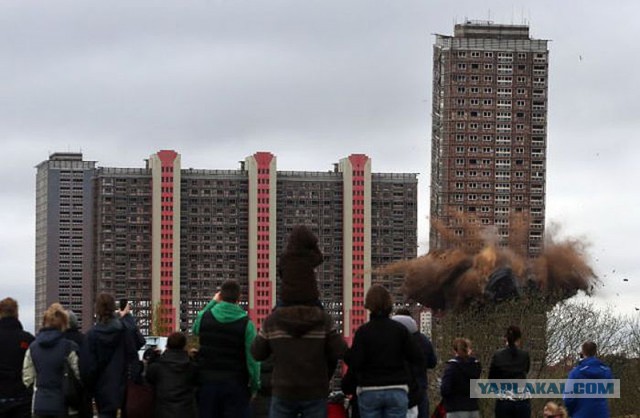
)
(305, 347)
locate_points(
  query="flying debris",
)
(625, 280)
(454, 279)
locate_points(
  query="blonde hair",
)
(462, 347)
(551, 409)
(56, 317)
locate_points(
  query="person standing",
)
(74, 334)
(15, 398)
(228, 375)
(111, 346)
(511, 362)
(300, 335)
(455, 387)
(381, 357)
(590, 367)
(430, 360)
(44, 365)
(173, 377)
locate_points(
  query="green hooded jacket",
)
(226, 312)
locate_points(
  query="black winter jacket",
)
(14, 344)
(173, 377)
(382, 352)
(455, 384)
(509, 363)
(305, 347)
(105, 358)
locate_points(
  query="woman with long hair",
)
(380, 358)
(111, 346)
(44, 365)
(455, 387)
(511, 362)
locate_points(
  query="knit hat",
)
(298, 285)
(407, 321)
(73, 319)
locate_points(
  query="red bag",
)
(336, 410)
(439, 412)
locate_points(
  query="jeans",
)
(228, 399)
(384, 403)
(285, 408)
(463, 414)
(513, 409)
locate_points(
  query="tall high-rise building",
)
(165, 237)
(489, 136)
(64, 233)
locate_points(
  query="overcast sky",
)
(311, 81)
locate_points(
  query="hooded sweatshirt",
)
(226, 334)
(588, 368)
(174, 380)
(43, 366)
(455, 384)
(305, 348)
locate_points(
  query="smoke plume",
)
(453, 279)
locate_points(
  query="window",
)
(475, 54)
(488, 54)
(461, 78)
(474, 66)
(488, 90)
(462, 54)
(462, 66)
(488, 78)
(460, 125)
(488, 66)
(461, 90)
(487, 102)
(475, 78)
(522, 55)
(486, 114)
(460, 102)
(521, 79)
(475, 90)
(474, 102)
(459, 137)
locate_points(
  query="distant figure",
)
(15, 398)
(455, 387)
(74, 334)
(300, 335)
(381, 358)
(110, 348)
(590, 367)
(404, 316)
(511, 362)
(44, 365)
(296, 267)
(552, 410)
(173, 377)
(227, 372)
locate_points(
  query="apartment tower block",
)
(489, 136)
(165, 237)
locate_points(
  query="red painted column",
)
(167, 240)
(263, 289)
(358, 312)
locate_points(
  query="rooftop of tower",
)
(487, 29)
